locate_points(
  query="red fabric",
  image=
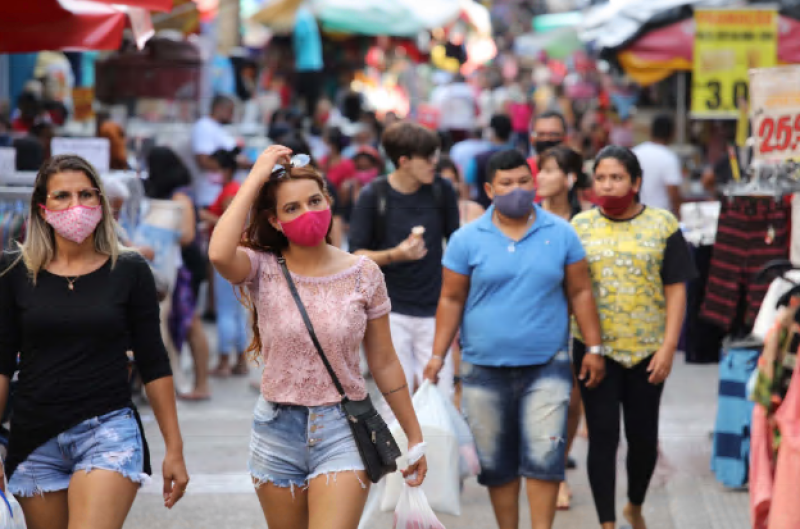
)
(341, 171)
(533, 164)
(520, 116)
(229, 191)
(46, 25)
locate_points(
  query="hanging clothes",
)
(731, 449)
(785, 509)
(751, 232)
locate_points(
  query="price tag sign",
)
(97, 151)
(8, 161)
(775, 112)
(727, 44)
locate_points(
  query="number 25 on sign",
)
(778, 135)
(775, 112)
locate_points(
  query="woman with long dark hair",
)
(169, 179)
(73, 301)
(231, 316)
(639, 263)
(303, 457)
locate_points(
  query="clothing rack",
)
(13, 214)
(767, 180)
(8, 194)
(19, 178)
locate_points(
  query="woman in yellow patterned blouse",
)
(639, 264)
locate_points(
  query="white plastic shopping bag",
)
(11, 516)
(414, 512)
(469, 464)
(442, 485)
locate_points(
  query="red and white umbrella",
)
(73, 24)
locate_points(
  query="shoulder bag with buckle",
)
(378, 449)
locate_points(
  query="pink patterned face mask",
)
(76, 223)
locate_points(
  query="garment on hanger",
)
(785, 509)
(752, 231)
(731, 448)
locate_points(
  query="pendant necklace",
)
(71, 282)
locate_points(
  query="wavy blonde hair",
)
(39, 247)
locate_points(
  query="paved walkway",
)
(684, 494)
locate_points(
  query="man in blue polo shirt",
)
(509, 281)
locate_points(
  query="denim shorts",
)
(291, 445)
(109, 442)
(518, 416)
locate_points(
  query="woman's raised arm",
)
(224, 252)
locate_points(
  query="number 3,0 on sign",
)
(727, 43)
(775, 112)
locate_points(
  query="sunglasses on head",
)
(298, 160)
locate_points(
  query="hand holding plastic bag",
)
(413, 511)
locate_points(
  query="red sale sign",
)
(775, 112)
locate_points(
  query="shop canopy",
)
(397, 18)
(30, 26)
(654, 40)
(662, 52)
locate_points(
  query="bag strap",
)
(381, 186)
(310, 327)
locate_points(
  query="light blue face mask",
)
(516, 204)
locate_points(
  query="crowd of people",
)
(534, 295)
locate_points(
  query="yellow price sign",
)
(727, 44)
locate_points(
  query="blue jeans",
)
(109, 442)
(231, 318)
(518, 416)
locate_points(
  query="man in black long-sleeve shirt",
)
(400, 222)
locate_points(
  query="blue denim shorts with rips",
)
(291, 445)
(109, 442)
(518, 416)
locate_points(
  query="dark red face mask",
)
(615, 206)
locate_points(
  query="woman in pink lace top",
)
(303, 459)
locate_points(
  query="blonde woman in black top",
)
(72, 303)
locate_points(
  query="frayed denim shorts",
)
(291, 445)
(109, 442)
(518, 416)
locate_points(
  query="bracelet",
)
(456, 380)
(439, 357)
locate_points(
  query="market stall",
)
(74, 24)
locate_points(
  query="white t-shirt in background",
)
(457, 106)
(208, 136)
(661, 168)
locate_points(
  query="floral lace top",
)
(338, 306)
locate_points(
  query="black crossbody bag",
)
(378, 449)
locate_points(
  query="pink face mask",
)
(309, 229)
(76, 223)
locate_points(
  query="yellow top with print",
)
(629, 263)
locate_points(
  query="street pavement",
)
(683, 495)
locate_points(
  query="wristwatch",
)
(597, 350)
